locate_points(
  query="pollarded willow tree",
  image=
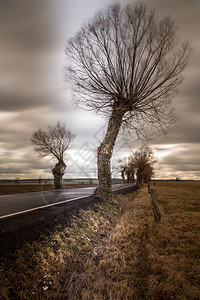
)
(144, 160)
(54, 142)
(126, 64)
(121, 166)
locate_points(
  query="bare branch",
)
(54, 141)
(126, 64)
(125, 57)
(144, 160)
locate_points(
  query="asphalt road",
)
(41, 213)
(16, 204)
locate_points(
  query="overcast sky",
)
(33, 35)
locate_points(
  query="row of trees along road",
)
(137, 167)
(126, 64)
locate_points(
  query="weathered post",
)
(149, 187)
(156, 210)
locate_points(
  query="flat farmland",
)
(175, 242)
(6, 189)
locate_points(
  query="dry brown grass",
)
(145, 260)
(45, 269)
(176, 241)
(97, 258)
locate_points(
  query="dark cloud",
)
(14, 102)
(29, 38)
(181, 159)
(27, 25)
(187, 132)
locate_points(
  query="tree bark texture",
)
(140, 177)
(58, 172)
(123, 177)
(104, 154)
(128, 177)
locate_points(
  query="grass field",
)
(115, 251)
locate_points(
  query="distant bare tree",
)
(121, 167)
(130, 170)
(148, 173)
(126, 168)
(54, 142)
(144, 161)
(17, 180)
(39, 180)
(126, 64)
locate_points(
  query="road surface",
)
(15, 204)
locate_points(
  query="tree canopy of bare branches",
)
(126, 64)
(140, 164)
(121, 166)
(144, 161)
(53, 142)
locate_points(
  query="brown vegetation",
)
(116, 251)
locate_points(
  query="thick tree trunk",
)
(123, 177)
(140, 176)
(128, 177)
(132, 178)
(58, 172)
(104, 154)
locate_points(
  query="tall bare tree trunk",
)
(104, 154)
(140, 176)
(58, 172)
(123, 177)
(128, 177)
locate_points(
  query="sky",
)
(33, 93)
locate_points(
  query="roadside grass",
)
(115, 251)
(46, 269)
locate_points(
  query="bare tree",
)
(39, 180)
(121, 167)
(127, 169)
(17, 180)
(148, 173)
(143, 159)
(131, 170)
(126, 64)
(54, 142)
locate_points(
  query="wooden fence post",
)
(149, 187)
(156, 210)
